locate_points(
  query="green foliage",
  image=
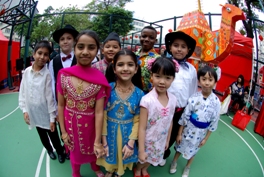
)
(250, 7)
(118, 20)
(103, 5)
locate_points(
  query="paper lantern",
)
(123, 39)
(126, 38)
(136, 36)
(260, 37)
(170, 30)
(130, 37)
(158, 32)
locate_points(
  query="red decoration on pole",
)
(170, 30)
(260, 37)
(126, 38)
(158, 32)
(136, 36)
(123, 39)
(130, 37)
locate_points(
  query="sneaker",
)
(163, 162)
(173, 167)
(186, 172)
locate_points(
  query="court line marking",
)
(40, 162)
(251, 135)
(9, 114)
(47, 165)
(9, 93)
(246, 144)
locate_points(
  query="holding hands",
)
(128, 149)
(26, 118)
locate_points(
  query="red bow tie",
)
(67, 57)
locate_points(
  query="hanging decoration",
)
(260, 37)
(170, 30)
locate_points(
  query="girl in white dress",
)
(156, 112)
(199, 119)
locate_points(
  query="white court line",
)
(47, 165)
(251, 135)
(247, 145)
(40, 162)
(9, 114)
(9, 93)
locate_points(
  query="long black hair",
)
(242, 79)
(110, 75)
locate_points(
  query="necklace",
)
(79, 89)
(124, 90)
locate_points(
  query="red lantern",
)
(170, 30)
(130, 37)
(126, 38)
(260, 37)
(158, 32)
(136, 36)
(123, 39)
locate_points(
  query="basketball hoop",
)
(2, 9)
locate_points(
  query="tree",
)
(103, 5)
(118, 20)
(249, 7)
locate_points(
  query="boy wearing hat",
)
(65, 38)
(181, 46)
(111, 46)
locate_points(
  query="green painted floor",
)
(229, 151)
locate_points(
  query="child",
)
(147, 40)
(37, 102)
(111, 46)
(122, 114)
(82, 94)
(180, 46)
(156, 112)
(199, 119)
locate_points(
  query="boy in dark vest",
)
(65, 38)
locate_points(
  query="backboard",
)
(6, 5)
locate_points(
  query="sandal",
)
(100, 174)
(134, 170)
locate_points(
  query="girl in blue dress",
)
(121, 117)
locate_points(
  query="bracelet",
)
(63, 138)
(129, 147)
(105, 146)
(100, 145)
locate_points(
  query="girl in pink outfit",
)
(82, 94)
(156, 112)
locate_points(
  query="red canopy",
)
(238, 62)
(3, 56)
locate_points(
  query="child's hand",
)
(57, 119)
(26, 118)
(66, 139)
(178, 139)
(106, 150)
(99, 151)
(127, 152)
(52, 126)
(202, 143)
(167, 145)
(142, 156)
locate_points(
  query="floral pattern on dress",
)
(145, 73)
(208, 110)
(158, 124)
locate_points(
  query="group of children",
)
(126, 109)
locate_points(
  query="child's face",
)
(179, 49)
(85, 50)
(161, 82)
(125, 68)
(207, 83)
(66, 43)
(41, 56)
(148, 39)
(110, 49)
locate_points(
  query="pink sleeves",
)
(144, 102)
(101, 93)
(59, 82)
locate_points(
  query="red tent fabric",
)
(238, 62)
(3, 56)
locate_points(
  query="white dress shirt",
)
(66, 64)
(36, 98)
(184, 84)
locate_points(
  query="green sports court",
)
(229, 151)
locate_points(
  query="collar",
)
(64, 55)
(182, 62)
(41, 72)
(152, 52)
(106, 62)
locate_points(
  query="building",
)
(7, 30)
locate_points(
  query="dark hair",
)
(242, 79)
(119, 44)
(164, 65)
(151, 28)
(110, 75)
(43, 44)
(90, 33)
(207, 69)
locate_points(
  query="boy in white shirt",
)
(37, 102)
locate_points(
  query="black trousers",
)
(45, 135)
(174, 132)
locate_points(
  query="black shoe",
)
(67, 156)
(61, 158)
(52, 155)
